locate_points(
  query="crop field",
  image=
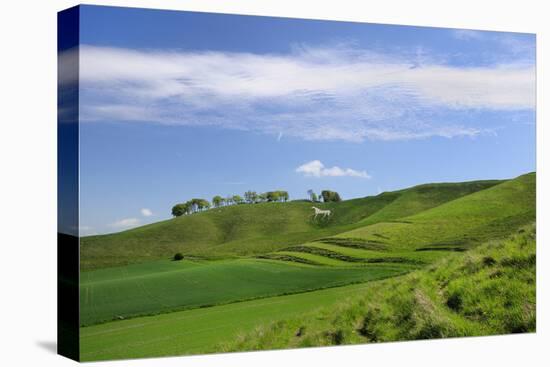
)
(199, 330)
(162, 286)
(270, 276)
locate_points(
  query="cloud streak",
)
(337, 93)
(126, 223)
(146, 212)
(316, 168)
(510, 45)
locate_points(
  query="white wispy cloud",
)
(126, 223)
(338, 93)
(146, 212)
(316, 168)
(510, 43)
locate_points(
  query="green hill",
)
(487, 291)
(455, 225)
(466, 279)
(244, 230)
(458, 223)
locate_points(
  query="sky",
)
(178, 105)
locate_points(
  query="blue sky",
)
(175, 105)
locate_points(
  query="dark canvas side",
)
(68, 343)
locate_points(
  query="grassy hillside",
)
(488, 290)
(164, 286)
(421, 238)
(466, 279)
(244, 230)
(485, 291)
(424, 197)
(370, 252)
(457, 224)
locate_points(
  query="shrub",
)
(489, 261)
(178, 256)
(300, 331)
(431, 329)
(367, 328)
(520, 261)
(336, 337)
(454, 302)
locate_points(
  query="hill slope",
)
(486, 291)
(491, 289)
(421, 238)
(253, 229)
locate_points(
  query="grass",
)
(198, 330)
(426, 236)
(424, 197)
(164, 286)
(467, 221)
(257, 276)
(486, 291)
(247, 230)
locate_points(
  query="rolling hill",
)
(455, 225)
(244, 230)
(247, 265)
(487, 291)
(368, 252)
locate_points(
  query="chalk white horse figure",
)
(324, 213)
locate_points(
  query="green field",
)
(199, 330)
(163, 286)
(247, 266)
(489, 290)
(494, 283)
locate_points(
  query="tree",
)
(312, 195)
(237, 199)
(188, 207)
(178, 210)
(262, 197)
(278, 195)
(203, 204)
(198, 204)
(217, 201)
(194, 204)
(178, 256)
(329, 196)
(272, 195)
(251, 196)
(284, 196)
